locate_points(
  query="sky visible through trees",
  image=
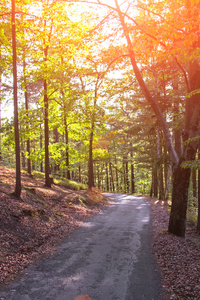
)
(108, 95)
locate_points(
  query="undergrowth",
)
(70, 184)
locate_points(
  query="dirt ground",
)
(33, 226)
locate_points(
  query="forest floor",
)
(34, 225)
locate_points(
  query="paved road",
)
(109, 258)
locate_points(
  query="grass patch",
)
(70, 184)
(38, 175)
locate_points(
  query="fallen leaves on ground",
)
(33, 225)
(178, 258)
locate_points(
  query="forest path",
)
(109, 258)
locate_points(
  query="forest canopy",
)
(105, 93)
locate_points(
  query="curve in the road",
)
(109, 258)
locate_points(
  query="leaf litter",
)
(177, 257)
(33, 225)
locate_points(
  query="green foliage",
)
(70, 184)
(193, 164)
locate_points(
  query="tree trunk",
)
(160, 167)
(56, 140)
(17, 192)
(0, 116)
(192, 120)
(90, 162)
(116, 175)
(41, 164)
(194, 182)
(27, 119)
(198, 216)
(181, 180)
(127, 176)
(155, 181)
(111, 178)
(177, 224)
(46, 136)
(107, 178)
(67, 151)
(132, 172)
(79, 173)
(153, 102)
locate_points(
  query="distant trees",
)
(113, 101)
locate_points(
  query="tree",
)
(181, 176)
(17, 192)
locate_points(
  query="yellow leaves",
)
(192, 93)
(113, 133)
(194, 2)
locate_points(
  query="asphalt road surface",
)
(109, 258)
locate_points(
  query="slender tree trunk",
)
(0, 117)
(132, 173)
(27, 119)
(56, 140)
(111, 178)
(107, 178)
(17, 192)
(116, 175)
(67, 150)
(194, 182)
(46, 110)
(79, 173)
(151, 189)
(127, 176)
(41, 164)
(90, 162)
(198, 217)
(160, 166)
(155, 181)
(46, 136)
(167, 172)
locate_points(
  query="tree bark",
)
(194, 183)
(17, 192)
(107, 178)
(116, 175)
(27, 118)
(177, 222)
(198, 216)
(41, 164)
(0, 116)
(155, 181)
(90, 162)
(160, 167)
(67, 149)
(111, 178)
(46, 136)
(132, 172)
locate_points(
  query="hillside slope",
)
(33, 225)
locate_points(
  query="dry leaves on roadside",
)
(178, 258)
(32, 226)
